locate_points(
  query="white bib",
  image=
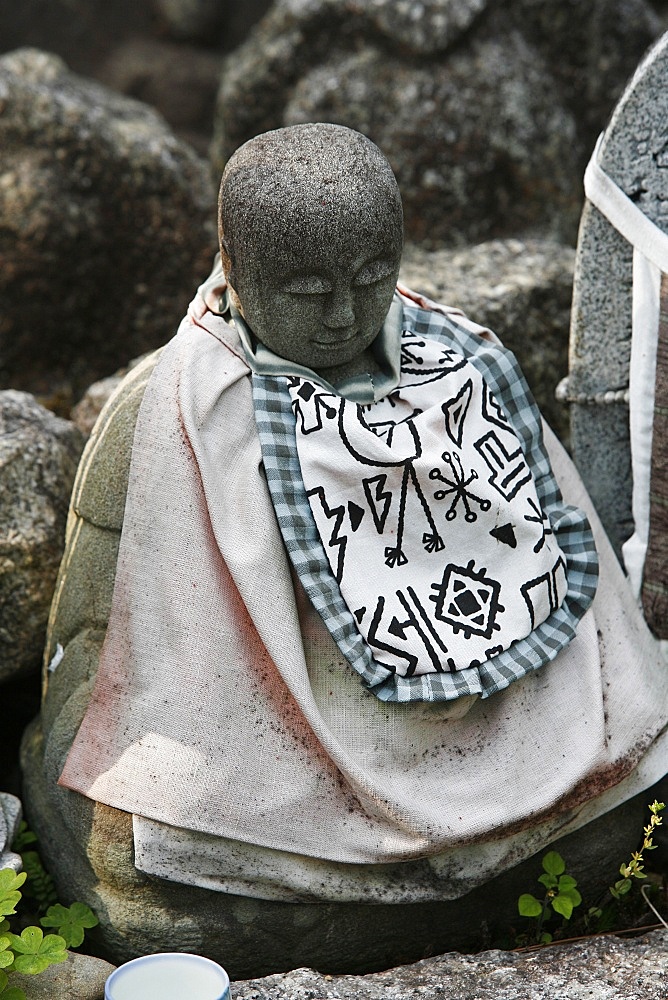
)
(428, 513)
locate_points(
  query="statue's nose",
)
(339, 311)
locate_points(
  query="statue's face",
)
(321, 302)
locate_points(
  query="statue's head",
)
(311, 232)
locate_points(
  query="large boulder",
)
(477, 105)
(38, 459)
(10, 818)
(82, 35)
(597, 968)
(219, 22)
(178, 80)
(106, 220)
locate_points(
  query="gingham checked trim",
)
(276, 427)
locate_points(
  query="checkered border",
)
(498, 366)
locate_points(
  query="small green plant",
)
(561, 896)
(71, 922)
(636, 866)
(29, 952)
(32, 951)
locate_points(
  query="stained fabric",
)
(223, 706)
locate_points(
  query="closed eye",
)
(307, 284)
(375, 270)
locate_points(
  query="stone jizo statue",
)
(356, 653)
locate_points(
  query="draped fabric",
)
(222, 707)
(647, 392)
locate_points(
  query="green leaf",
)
(70, 921)
(553, 863)
(623, 886)
(567, 882)
(563, 905)
(549, 881)
(571, 894)
(36, 952)
(529, 906)
(3, 980)
(9, 879)
(4, 926)
(545, 937)
(13, 993)
(10, 884)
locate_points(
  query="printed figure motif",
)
(436, 590)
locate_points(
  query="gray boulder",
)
(81, 977)
(177, 80)
(38, 459)
(83, 38)
(220, 22)
(633, 154)
(595, 969)
(477, 105)
(106, 220)
(10, 818)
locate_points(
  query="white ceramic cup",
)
(168, 976)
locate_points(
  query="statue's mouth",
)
(343, 338)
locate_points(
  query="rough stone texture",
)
(222, 22)
(88, 846)
(106, 223)
(460, 97)
(606, 968)
(38, 460)
(96, 396)
(179, 81)
(522, 291)
(634, 156)
(81, 977)
(298, 204)
(10, 817)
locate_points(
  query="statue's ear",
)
(227, 260)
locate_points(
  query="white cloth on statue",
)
(207, 697)
(650, 260)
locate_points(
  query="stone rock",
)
(459, 96)
(179, 81)
(81, 977)
(210, 20)
(83, 39)
(97, 395)
(106, 221)
(633, 155)
(607, 968)
(10, 818)
(88, 847)
(522, 291)
(190, 18)
(38, 459)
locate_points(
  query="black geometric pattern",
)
(468, 600)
